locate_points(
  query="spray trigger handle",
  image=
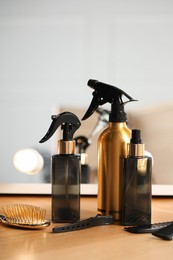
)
(104, 93)
(69, 123)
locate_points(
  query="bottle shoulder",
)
(116, 129)
(65, 156)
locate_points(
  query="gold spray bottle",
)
(112, 144)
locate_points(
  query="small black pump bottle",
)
(136, 183)
(65, 170)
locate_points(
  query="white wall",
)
(50, 48)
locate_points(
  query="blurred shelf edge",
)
(86, 189)
(40, 188)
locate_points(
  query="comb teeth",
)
(24, 214)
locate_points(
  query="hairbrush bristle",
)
(24, 214)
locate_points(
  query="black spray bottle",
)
(65, 170)
(82, 143)
(112, 144)
(136, 183)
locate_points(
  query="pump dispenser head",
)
(136, 147)
(104, 93)
(69, 123)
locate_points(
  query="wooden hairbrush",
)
(24, 216)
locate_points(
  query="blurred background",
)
(50, 48)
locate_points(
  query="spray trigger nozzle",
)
(69, 123)
(104, 93)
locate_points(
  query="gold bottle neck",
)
(66, 147)
(136, 150)
(118, 124)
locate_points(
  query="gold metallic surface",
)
(112, 144)
(66, 147)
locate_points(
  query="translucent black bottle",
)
(82, 144)
(136, 184)
(66, 169)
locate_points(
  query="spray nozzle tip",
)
(92, 82)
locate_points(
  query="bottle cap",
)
(136, 147)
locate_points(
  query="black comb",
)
(98, 220)
(149, 228)
(165, 233)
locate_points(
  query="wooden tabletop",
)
(103, 242)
